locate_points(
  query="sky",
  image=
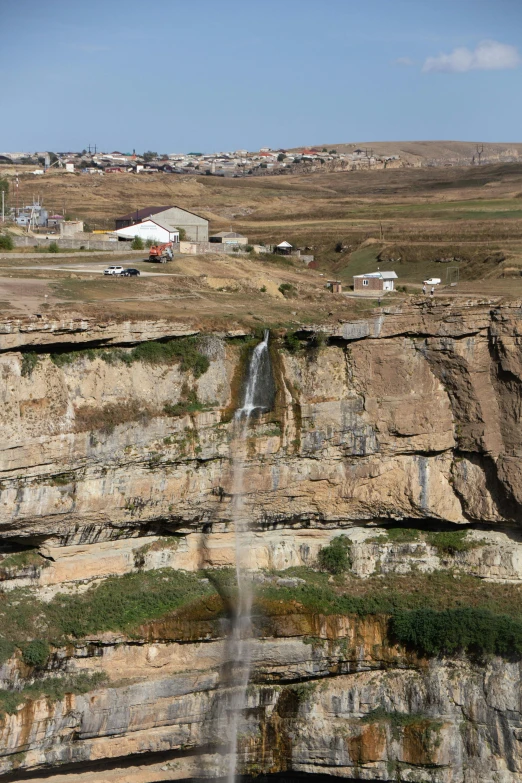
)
(211, 75)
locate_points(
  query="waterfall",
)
(258, 396)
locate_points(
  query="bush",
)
(182, 234)
(335, 558)
(288, 290)
(137, 243)
(248, 248)
(36, 653)
(263, 289)
(53, 248)
(319, 340)
(477, 631)
(189, 404)
(338, 247)
(292, 342)
(29, 362)
(7, 648)
(6, 242)
(451, 542)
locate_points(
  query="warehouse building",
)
(154, 229)
(194, 226)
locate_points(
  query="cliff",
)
(400, 432)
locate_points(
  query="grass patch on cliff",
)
(53, 688)
(19, 561)
(119, 604)
(434, 613)
(182, 350)
(88, 418)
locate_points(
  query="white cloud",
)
(487, 56)
(407, 62)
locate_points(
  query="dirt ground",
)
(463, 225)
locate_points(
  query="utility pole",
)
(3, 207)
(480, 150)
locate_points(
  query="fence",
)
(70, 244)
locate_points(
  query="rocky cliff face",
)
(116, 464)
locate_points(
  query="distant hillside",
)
(436, 153)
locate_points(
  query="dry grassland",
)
(403, 219)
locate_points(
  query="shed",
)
(335, 286)
(154, 229)
(374, 281)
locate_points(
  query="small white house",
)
(152, 229)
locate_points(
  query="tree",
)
(324, 149)
(4, 186)
(333, 152)
(6, 242)
(182, 234)
(280, 157)
(149, 155)
(137, 243)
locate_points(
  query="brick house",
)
(374, 281)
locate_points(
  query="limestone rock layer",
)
(114, 465)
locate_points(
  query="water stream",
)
(258, 394)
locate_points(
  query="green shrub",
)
(10, 701)
(6, 241)
(53, 248)
(477, 631)
(263, 289)
(137, 243)
(292, 342)
(36, 653)
(7, 648)
(189, 404)
(318, 341)
(29, 362)
(335, 558)
(248, 248)
(288, 290)
(451, 542)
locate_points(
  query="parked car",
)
(113, 270)
(432, 281)
(131, 273)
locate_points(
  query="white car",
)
(432, 281)
(113, 270)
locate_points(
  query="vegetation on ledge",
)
(182, 350)
(53, 688)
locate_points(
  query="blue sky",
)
(207, 75)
